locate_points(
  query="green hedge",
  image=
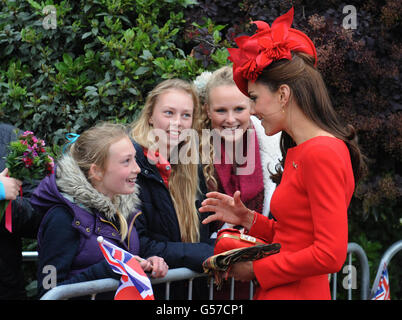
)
(97, 64)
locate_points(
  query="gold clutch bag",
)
(232, 246)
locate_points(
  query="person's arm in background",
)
(25, 221)
(9, 187)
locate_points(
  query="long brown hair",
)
(183, 181)
(310, 93)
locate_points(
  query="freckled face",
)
(173, 112)
(121, 170)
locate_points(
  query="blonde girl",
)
(240, 156)
(92, 193)
(171, 182)
(227, 113)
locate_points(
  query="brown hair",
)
(310, 93)
(92, 147)
(183, 181)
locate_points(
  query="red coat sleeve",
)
(263, 227)
(324, 179)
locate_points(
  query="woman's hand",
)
(155, 264)
(227, 209)
(242, 271)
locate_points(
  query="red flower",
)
(28, 162)
(49, 169)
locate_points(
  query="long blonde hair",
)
(183, 181)
(221, 77)
(92, 147)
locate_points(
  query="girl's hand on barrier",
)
(145, 264)
(158, 266)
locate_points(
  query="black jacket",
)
(158, 227)
(25, 223)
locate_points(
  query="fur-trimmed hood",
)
(68, 187)
(270, 154)
(73, 185)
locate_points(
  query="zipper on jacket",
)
(101, 219)
(131, 228)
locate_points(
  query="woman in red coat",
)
(321, 162)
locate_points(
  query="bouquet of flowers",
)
(28, 159)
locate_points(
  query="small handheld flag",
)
(383, 290)
(134, 283)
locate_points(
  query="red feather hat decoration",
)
(267, 45)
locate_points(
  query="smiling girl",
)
(242, 145)
(92, 193)
(227, 112)
(169, 225)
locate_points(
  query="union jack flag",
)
(134, 283)
(383, 290)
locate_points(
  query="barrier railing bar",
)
(334, 277)
(167, 291)
(386, 258)
(350, 284)
(178, 274)
(30, 255)
(211, 288)
(190, 289)
(232, 285)
(64, 292)
(365, 270)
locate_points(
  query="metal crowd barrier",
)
(386, 258)
(29, 256)
(354, 248)
(106, 285)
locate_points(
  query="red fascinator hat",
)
(267, 45)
